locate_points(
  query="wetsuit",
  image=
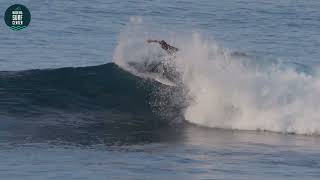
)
(169, 73)
(168, 48)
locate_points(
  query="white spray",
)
(227, 92)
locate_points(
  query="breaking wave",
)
(231, 90)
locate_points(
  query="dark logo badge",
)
(17, 17)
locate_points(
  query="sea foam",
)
(233, 92)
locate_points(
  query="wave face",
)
(70, 102)
(232, 90)
(70, 89)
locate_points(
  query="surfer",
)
(164, 45)
(167, 71)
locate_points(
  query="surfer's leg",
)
(155, 67)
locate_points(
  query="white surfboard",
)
(158, 78)
(149, 76)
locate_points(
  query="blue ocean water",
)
(68, 111)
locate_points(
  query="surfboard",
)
(140, 71)
(158, 78)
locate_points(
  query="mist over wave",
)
(231, 90)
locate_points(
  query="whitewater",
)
(229, 89)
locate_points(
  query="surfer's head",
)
(163, 44)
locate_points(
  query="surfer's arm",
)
(164, 45)
(151, 41)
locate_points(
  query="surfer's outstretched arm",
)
(164, 45)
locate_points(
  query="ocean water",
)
(245, 106)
